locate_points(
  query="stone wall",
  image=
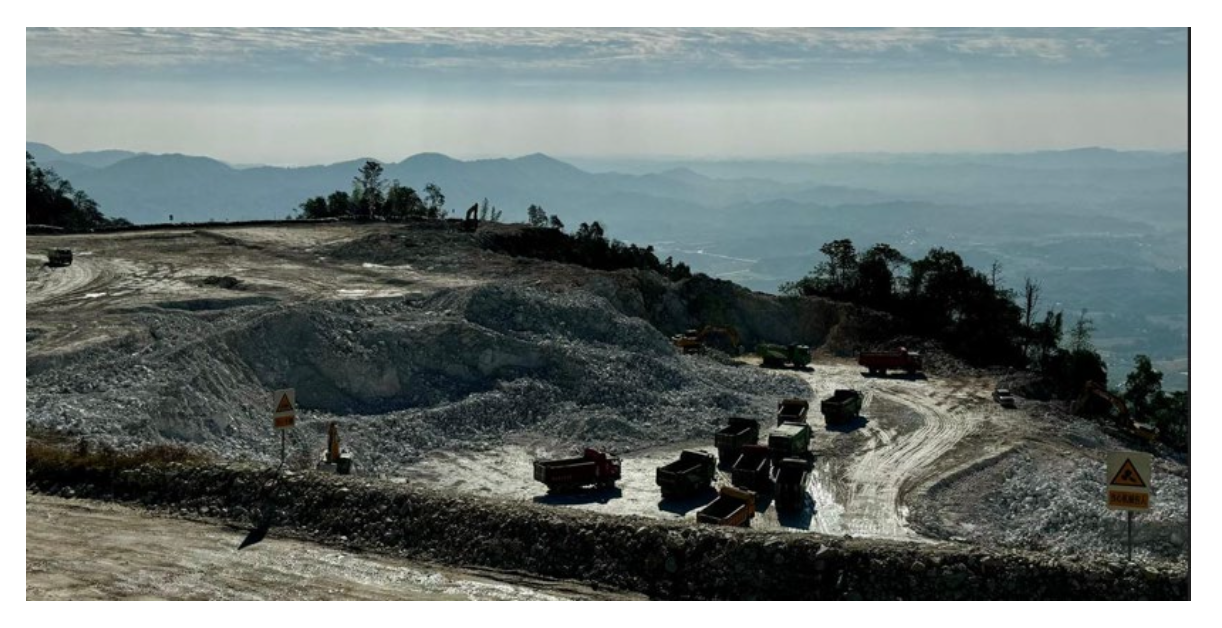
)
(673, 560)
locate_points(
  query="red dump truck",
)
(879, 362)
(593, 468)
(730, 439)
(792, 411)
(792, 476)
(691, 473)
(752, 469)
(733, 507)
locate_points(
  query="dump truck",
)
(792, 411)
(59, 257)
(792, 476)
(730, 439)
(733, 507)
(693, 471)
(752, 469)
(844, 405)
(789, 439)
(879, 362)
(593, 468)
(777, 356)
(1003, 397)
(697, 340)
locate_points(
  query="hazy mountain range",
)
(1103, 230)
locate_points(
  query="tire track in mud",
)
(866, 495)
(83, 276)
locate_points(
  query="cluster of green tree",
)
(975, 318)
(937, 296)
(1143, 390)
(371, 197)
(51, 200)
(588, 246)
(536, 217)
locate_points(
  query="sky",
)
(308, 96)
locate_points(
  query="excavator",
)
(1123, 418)
(334, 457)
(697, 340)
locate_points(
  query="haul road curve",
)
(863, 479)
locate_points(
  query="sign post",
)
(1128, 485)
(284, 415)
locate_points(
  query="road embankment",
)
(660, 559)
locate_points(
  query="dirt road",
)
(81, 550)
(865, 473)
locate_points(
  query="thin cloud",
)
(561, 50)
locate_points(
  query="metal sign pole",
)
(1130, 536)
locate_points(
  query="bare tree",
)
(1031, 299)
(994, 273)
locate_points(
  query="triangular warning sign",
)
(1128, 476)
(286, 406)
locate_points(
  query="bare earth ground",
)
(931, 460)
(82, 550)
(863, 472)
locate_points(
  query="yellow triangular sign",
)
(286, 406)
(1128, 476)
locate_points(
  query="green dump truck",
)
(778, 356)
(788, 440)
(693, 471)
(844, 405)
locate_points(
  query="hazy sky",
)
(304, 96)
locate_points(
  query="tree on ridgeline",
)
(370, 182)
(535, 216)
(51, 200)
(373, 197)
(434, 200)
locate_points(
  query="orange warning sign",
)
(282, 422)
(1125, 500)
(285, 405)
(1128, 476)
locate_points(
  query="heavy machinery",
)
(335, 458)
(470, 222)
(593, 468)
(792, 476)
(879, 362)
(843, 406)
(1003, 398)
(697, 340)
(730, 439)
(691, 473)
(59, 257)
(752, 469)
(779, 356)
(792, 410)
(1123, 419)
(733, 507)
(789, 439)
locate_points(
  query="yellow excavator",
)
(697, 340)
(333, 457)
(1123, 418)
